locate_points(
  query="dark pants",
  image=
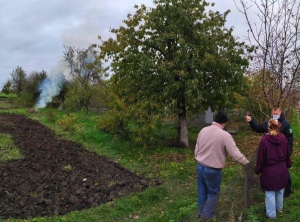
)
(288, 188)
(209, 184)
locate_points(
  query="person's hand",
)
(248, 118)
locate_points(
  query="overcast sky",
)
(33, 32)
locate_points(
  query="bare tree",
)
(277, 55)
(82, 63)
(86, 73)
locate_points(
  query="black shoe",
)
(271, 218)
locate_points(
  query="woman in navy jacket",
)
(273, 159)
(285, 129)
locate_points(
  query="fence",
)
(240, 192)
(236, 120)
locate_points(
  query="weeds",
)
(8, 151)
(251, 213)
(68, 167)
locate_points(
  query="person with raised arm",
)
(285, 129)
(273, 159)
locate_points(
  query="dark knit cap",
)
(220, 117)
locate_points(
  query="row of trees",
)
(78, 90)
(23, 85)
(177, 59)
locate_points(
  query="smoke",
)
(49, 88)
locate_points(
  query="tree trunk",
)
(183, 136)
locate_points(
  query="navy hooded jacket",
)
(272, 162)
(285, 129)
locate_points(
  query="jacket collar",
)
(217, 124)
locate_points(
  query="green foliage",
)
(295, 122)
(86, 78)
(7, 87)
(26, 87)
(3, 95)
(82, 95)
(70, 123)
(68, 167)
(72, 97)
(132, 121)
(8, 151)
(51, 116)
(18, 80)
(173, 59)
(23, 100)
(251, 213)
(186, 210)
(32, 83)
(111, 122)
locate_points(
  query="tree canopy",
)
(175, 59)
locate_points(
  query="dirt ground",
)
(56, 176)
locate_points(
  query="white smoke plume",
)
(49, 88)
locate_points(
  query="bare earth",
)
(56, 176)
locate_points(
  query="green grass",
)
(8, 151)
(3, 95)
(175, 199)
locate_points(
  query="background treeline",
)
(173, 61)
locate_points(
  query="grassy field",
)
(175, 199)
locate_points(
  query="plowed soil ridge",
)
(56, 176)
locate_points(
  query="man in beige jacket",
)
(213, 144)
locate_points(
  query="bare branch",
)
(277, 40)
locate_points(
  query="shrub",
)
(68, 122)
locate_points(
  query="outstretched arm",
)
(259, 128)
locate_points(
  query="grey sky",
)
(33, 32)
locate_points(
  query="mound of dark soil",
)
(56, 176)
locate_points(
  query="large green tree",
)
(174, 59)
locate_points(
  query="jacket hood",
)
(282, 117)
(275, 139)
